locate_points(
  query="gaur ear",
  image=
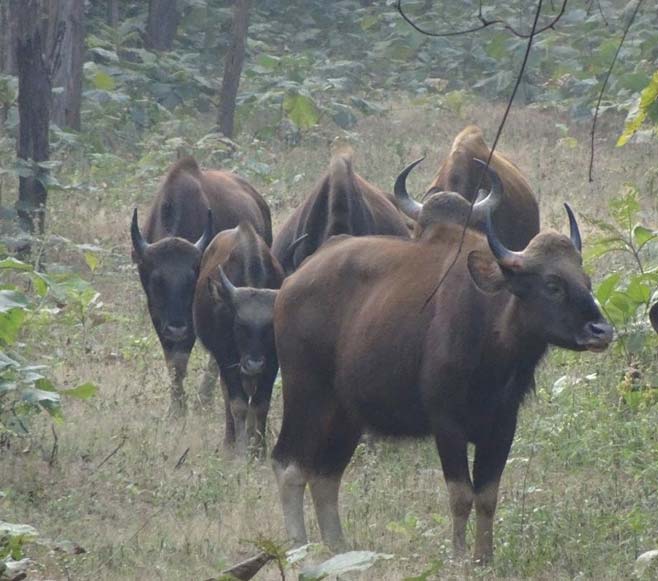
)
(653, 316)
(485, 272)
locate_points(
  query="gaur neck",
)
(517, 335)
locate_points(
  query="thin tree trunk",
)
(7, 40)
(113, 13)
(67, 77)
(163, 18)
(233, 67)
(34, 91)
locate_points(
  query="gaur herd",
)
(385, 314)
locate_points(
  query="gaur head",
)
(169, 269)
(548, 278)
(441, 206)
(253, 329)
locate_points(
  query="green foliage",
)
(645, 109)
(13, 537)
(626, 292)
(24, 389)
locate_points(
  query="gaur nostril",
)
(600, 330)
(176, 330)
(253, 366)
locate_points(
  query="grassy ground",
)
(148, 498)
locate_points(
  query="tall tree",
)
(7, 40)
(161, 25)
(233, 67)
(113, 13)
(66, 39)
(34, 90)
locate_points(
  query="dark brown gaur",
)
(516, 218)
(360, 348)
(341, 203)
(233, 309)
(191, 205)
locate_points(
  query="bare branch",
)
(604, 86)
(484, 23)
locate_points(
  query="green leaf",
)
(10, 263)
(606, 287)
(92, 260)
(84, 391)
(648, 97)
(638, 292)
(103, 81)
(301, 110)
(10, 299)
(642, 235)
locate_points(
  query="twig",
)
(484, 23)
(605, 84)
(493, 147)
(112, 453)
(182, 459)
(55, 449)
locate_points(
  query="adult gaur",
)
(367, 341)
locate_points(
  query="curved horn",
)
(407, 204)
(227, 285)
(505, 257)
(495, 195)
(574, 233)
(206, 237)
(139, 244)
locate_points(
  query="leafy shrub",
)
(24, 388)
(625, 293)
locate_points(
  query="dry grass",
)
(139, 516)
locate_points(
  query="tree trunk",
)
(68, 44)
(163, 18)
(33, 109)
(233, 67)
(7, 40)
(113, 13)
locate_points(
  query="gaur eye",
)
(554, 288)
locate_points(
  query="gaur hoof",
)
(177, 408)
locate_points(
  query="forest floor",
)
(150, 498)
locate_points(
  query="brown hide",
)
(341, 203)
(184, 197)
(238, 330)
(362, 347)
(166, 257)
(516, 219)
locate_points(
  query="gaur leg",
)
(324, 491)
(207, 387)
(229, 433)
(291, 481)
(316, 442)
(490, 458)
(257, 426)
(452, 445)
(239, 411)
(177, 366)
